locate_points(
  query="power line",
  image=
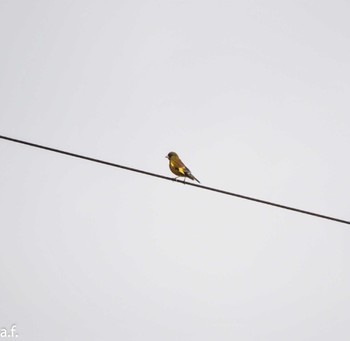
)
(172, 179)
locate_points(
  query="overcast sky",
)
(254, 97)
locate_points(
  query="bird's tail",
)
(193, 178)
(190, 175)
(196, 179)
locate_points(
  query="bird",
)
(178, 167)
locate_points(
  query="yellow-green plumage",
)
(178, 167)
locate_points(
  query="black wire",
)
(172, 179)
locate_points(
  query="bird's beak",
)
(167, 157)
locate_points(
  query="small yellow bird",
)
(178, 168)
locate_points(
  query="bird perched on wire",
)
(178, 167)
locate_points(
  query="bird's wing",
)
(179, 166)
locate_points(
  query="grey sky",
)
(253, 96)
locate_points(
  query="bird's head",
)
(170, 155)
